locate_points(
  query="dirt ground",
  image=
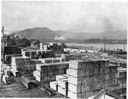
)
(17, 89)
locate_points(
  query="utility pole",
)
(3, 35)
(105, 44)
(124, 47)
(2, 54)
(3, 30)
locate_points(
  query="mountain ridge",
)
(46, 33)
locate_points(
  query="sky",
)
(72, 16)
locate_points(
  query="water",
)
(100, 45)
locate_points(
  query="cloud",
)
(73, 16)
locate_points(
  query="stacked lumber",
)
(6, 69)
(9, 56)
(12, 50)
(19, 63)
(23, 64)
(34, 62)
(50, 60)
(112, 75)
(62, 81)
(46, 60)
(35, 74)
(61, 84)
(63, 76)
(62, 90)
(87, 77)
(33, 54)
(30, 53)
(47, 72)
(54, 85)
(122, 74)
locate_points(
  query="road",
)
(17, 89)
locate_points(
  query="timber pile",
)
(12, 50)
(86, 78)
(54, 85)
(38, 53)
(87, 56)
(19, 62)
(6, 69)
(47, 72)
(63, 86)
(50, 60)
(9, 56)
(31, 54)
(23, 64)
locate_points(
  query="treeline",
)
(17, 42)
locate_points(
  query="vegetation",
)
(17, 42)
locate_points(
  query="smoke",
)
(60, 38)
(98, 27)
(110, 25)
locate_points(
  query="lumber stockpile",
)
(112, 76)
(50, 60)
(19, 62)
(39, 54)
(47, 72)
(86, 78)
(6, 69)
(12, 50)
(73, 57)
(23, 64)
(27, 54)
(31, 54)
(34, 62)
(63, 86)
(122, 83)
(57, 60)
(62, 82)
(63, 76)
(9, 56)
(122, 79)
(46, 60)
(54, 85)
(46, 54)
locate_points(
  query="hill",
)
(43, 33)
(36, 33)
